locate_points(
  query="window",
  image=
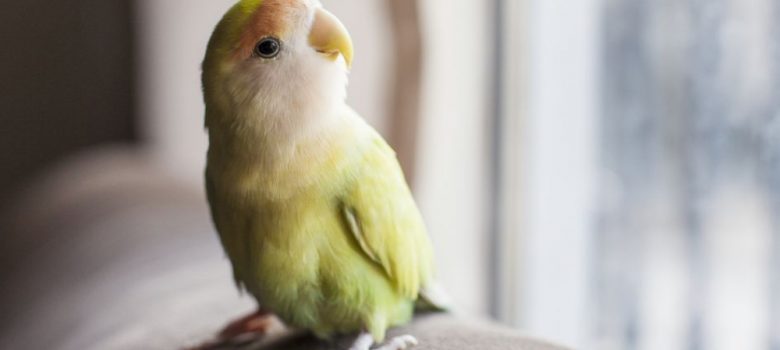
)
(639, 173)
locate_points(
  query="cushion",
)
(109, 253)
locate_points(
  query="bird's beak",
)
(329, 37)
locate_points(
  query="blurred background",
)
(602, 173)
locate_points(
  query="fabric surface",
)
(434, 332)
(109, 253)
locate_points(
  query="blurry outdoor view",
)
(687, 239)
(642, 168)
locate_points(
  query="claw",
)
(246, 330)
(257, 323)
(400, 343)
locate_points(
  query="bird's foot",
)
(399, 343)
(363, 342)
(243, 331)
(256, 323)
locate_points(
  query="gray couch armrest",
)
(108, 253)
(434, 331)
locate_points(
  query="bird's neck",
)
(276, 169)
(275, 144)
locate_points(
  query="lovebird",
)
(311, 205)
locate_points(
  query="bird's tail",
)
(433, 298)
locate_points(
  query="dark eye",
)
(268, 48)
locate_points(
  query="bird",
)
(310, 203)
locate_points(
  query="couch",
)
(107, 252)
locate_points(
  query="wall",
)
(454, 162)
(65, 82)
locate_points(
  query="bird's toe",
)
(400, 343)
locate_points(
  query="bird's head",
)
(274, 64)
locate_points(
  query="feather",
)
(310, 203)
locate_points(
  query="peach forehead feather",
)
(265, 18)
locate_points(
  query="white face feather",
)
(290, 96)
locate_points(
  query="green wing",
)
(382, 216)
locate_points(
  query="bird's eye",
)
(268, 48)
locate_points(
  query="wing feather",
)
(384, 220)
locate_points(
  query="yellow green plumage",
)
(339, 247)
(310, 203)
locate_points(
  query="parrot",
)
(310, 203)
